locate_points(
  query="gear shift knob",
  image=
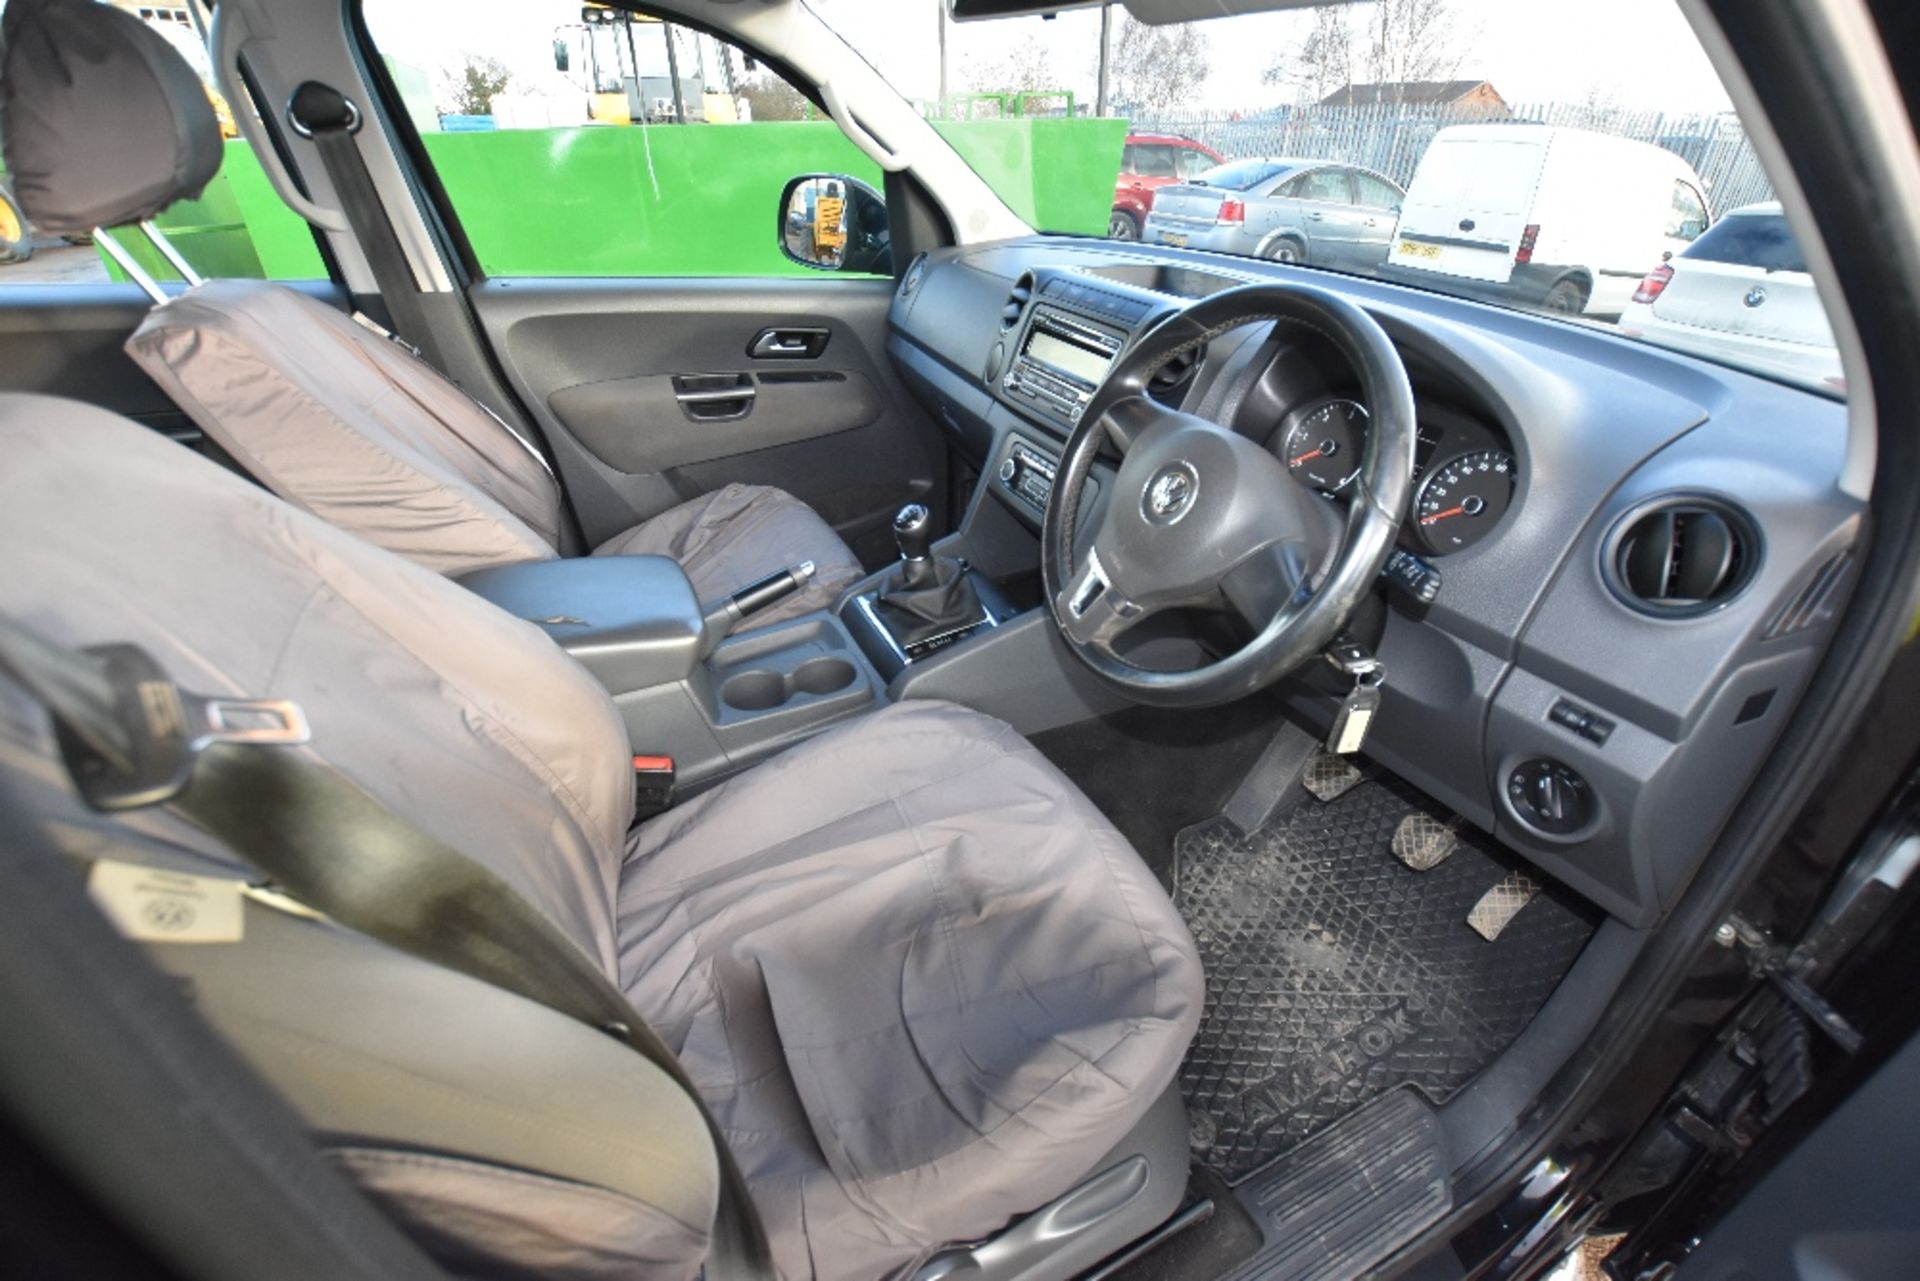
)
(913, 530)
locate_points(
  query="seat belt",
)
(131, 738)
(329, 119)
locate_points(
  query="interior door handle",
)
(714, 398)
(788, 344)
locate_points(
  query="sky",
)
(1638, 53)
(1633, 53)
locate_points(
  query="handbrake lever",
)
(725, 615)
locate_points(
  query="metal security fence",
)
(1390, 138)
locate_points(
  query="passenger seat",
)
(321, 408)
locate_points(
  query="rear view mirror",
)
(831, 222)
(561, 58)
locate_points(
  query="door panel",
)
(649, 394)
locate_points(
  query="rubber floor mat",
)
(1336, 973)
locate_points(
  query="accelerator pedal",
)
(1499, 905)
(1344, 1201)
(1423, 842)
(1329, 777)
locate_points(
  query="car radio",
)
(1060, 362)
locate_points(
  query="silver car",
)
(1311, 211)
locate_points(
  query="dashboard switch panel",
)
(1027, 474)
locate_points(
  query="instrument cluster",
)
(1463, 472)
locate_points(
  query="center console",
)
(714, 703)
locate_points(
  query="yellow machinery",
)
(602, 54)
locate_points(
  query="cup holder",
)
(823, 676)
(755, 691)
(761, 691)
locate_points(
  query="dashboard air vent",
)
(1017, 302)
(1684, 556)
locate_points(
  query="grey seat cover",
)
(924, 985)
(344, 423)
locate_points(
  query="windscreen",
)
(1543, 155)
(1240, 175)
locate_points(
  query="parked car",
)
(1151, 161)
(1545, 216)
(1740, 293)
(1287, 210)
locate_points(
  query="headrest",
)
(101, 121)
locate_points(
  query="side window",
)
(1688, 217)
(1193, 163)
(1371, 193)
(236, 227)
(1329, 185)
(1130, 159)
(587, 141)
(1155, 161)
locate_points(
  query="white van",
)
(1544, 216)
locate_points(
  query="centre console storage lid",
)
(633, 621)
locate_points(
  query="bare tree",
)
(1393, 42)
(1324, 61)
(1412, 40)
(470, 88)
(1155, 68)
(771, 98)
(1013, 68)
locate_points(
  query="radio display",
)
(1070, 358)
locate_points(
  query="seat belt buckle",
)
(653, 778)
(161, 731)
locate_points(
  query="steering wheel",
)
(1201, 517)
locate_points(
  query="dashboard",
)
(1613, 579)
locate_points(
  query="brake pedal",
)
(1329, 777)
(1499, 905)
(1423, 842)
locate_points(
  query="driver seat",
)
(105, 124)
(922, 984)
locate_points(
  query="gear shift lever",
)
(913, 531)
(927, 595)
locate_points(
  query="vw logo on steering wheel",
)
(1169, 494)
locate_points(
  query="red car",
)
(1152, 161)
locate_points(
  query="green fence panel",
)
(704, 200)
(1057, 175)
(666, 200)
(673, 200)
(237, 228)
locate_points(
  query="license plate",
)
(1419, 249)
(1173, 238)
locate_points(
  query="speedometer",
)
(1459, 503)
(1323, 444)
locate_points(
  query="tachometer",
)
(1323, 444)
(1459, 503)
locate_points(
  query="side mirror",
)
(562, 59)
(831, 222)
